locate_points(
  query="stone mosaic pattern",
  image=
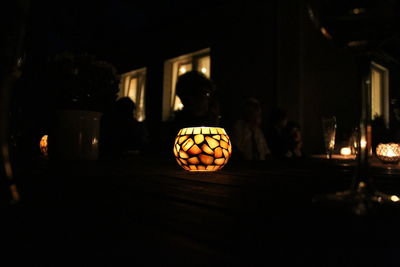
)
(202, 148)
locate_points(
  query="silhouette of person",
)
(200, 106)
(284, 137)
(248, 138)
(274, 132)
(197, 94)
(294, 142)
(121, 132)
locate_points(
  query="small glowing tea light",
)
(388, 153)
(43, 145)
(394, 198)
(345, 151)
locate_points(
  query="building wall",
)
(330, 85)
(315, 77)
(266, 49)
(244, 58)
(241, 36)
(269, 50)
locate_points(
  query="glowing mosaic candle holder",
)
(202, 148)
(388, 153)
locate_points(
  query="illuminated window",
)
(379, 92)
(173, 68)
(133, 85)
(184, 67)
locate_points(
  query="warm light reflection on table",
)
(336, 156)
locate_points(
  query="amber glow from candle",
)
(388, 153)
(202, 148)
(43, 145)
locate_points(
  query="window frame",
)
(384, 90)
(141, 76)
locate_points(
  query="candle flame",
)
(390, 153)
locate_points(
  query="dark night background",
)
(269, 50)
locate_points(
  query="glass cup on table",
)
(329, 131)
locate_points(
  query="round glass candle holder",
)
(200, 149)
(388, 153)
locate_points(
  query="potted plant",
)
(84, 87)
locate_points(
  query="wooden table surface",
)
(139, 211)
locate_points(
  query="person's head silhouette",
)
(125, 106)
(195, 91)
(278, 118)
(252, 111)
